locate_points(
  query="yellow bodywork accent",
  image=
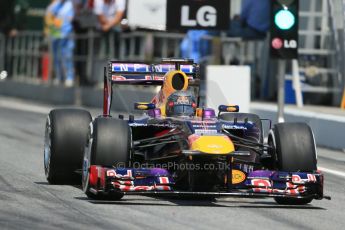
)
(343, 101)
(167, 88)
(142, 107)
(213, 145)
(238, 176)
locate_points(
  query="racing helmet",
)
(180, 103)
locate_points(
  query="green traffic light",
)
(284, 19)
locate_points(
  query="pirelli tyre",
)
(293, 149)
(65, 137)
(109, 144)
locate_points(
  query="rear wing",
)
(149, 74)
(136, 73)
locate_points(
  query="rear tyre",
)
(109, 145)
(294, 150)
(65, 138)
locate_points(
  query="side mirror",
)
(144, 106)
(228, 108)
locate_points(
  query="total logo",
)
(278, 43)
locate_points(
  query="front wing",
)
(258, 183)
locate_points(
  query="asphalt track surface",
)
(27, 201)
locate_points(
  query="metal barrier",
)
(2, 52)
(149, 46)
(92, 50)
(23, 55)
(25, 52)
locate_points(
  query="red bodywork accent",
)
(97, 177)
(101, 177)
(105, 98)
(161, 133)
(93, 175)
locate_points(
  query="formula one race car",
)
(177, 147)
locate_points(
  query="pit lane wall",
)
(123, 97)
(329, 129)
(328, 126)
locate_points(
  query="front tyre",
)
(109, 145)
(293, 150)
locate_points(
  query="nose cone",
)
(211, 144)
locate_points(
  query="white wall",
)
(235, 7)
(228, 85)
(147, 14)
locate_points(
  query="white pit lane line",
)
(332, 171)
(20, 105)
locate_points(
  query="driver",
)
(180, 104)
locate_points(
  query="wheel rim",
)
(86, 165)
(86, 174)
(272, 142)
(47, 148)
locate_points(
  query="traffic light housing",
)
(284, 29)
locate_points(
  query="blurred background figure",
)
(7, 28)
(109, 14)
(79, 5)
(12, 19)
(7, 18)
(59, 16)
(84, 21)
(193, 46)
(254, 21)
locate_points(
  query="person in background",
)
(78, 5)
(110, 14)
(12, 19)
(84, 21)
(7, 18)
(194, 46)
(21, 9)
(191, 45)
(59, 16)
(254, 21)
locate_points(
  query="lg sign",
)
(206, 16)
(198, 14)
(290, 44)
(284, 29)
(278, 43)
